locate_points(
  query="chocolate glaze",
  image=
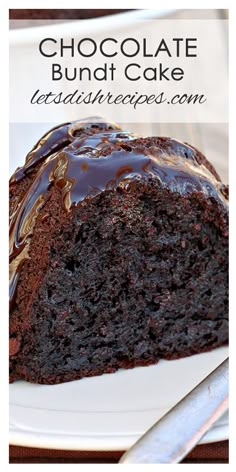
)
(88, 157)
(57, 138)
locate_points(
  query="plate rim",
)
(94, 442)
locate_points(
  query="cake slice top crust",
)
(57, 138)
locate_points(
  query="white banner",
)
(145, 71)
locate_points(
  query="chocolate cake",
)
(61, 14)
(118, 254)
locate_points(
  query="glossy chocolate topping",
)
(85, 158)
(56, 139)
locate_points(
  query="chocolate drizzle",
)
(88, 157)
(56, 139)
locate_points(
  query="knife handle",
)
(170, 439)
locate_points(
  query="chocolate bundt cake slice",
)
(118, 254)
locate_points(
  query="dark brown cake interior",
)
(105, 304)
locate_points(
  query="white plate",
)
(107, 412)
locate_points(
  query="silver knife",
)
(170, 439)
